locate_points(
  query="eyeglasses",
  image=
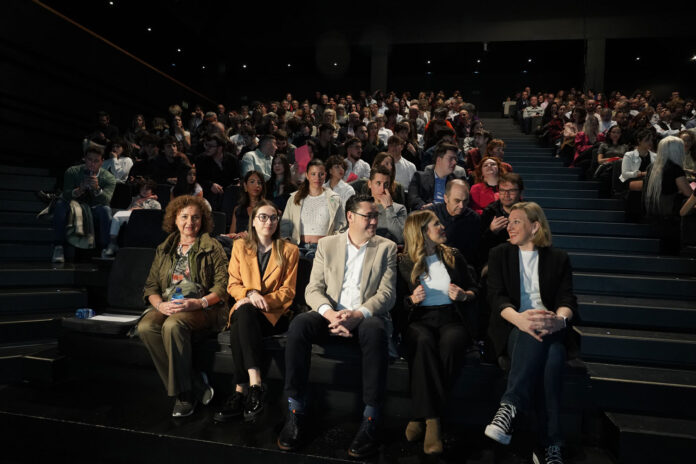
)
(265, 217)
(508, 192)
(369, 217)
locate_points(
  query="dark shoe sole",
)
(355, 454)
(283, 447)
(252, 416)
(221, 419)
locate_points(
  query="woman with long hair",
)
(438, 290)
(667, 187)
(254, 191)
(689, 139)
(312, 212)
(612, 147)
(262, 280)
(280, 185)
(530, 292)
(585, 141)
(485, 190)
(186, 184)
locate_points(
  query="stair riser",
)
(670, 320)
(556, 184)
(558, 193)
(578, 203)
(25, 252)
(606, 244)
(610, 349)
(27, 183)
(584, 215)
(19, 303)
(629, 286)
(8, 234)
(635, 447)
(602, 229)
(643, 398)
(633, 264)
(29, 331)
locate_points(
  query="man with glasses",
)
(351, 290)
(216, 169)
(494, 219)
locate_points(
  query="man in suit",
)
(351, 290)
(428, 186)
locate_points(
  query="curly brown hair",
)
(181, 202)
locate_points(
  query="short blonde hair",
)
(542, 237)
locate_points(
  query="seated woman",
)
(435, 326)
(611, 149)
(254, 191)
(585, 141)
(337, 166)
(485, 190)
(193, 264)
(395, 189)
(280, 185)
(117, 161)
(186, 184)
(312, 212)
(667, 188)
(530, 288)
(635, 162)
(262, 279)
(689, 139)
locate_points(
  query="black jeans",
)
(537, 367)
(248, 326)
(312, 327)
(436, 344)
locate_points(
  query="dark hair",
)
(245, 199)
(303, 190)
(166, 140)
(643, 134)
(355, 200)
(98, 149)
(395, 140)
(323, 127)
(149, 183)
(444, 132)
(381, 156)
(288, 184)
(351, 141)
(217, 138)
(335, 160)
(511, 178)
(266, 138)
(380, 170)
(179, 203)
(182, 187)
(442, 148)
(280, 134)
(252, 239)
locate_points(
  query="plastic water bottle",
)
(84, 313)
(178, 295)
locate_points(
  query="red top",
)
(482, 195)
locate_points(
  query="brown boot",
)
(415, 431)
(432, 443)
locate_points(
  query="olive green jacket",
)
(207, 264)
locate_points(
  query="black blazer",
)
(421, 189)
(460, 275)
(555, 282)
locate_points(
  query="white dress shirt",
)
(350, 291)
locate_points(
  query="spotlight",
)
(428, 61)
(243, 66)
(529, 60)
(289, 65)
(111, 3)
(335, 64)
(174, 65)
(693, 58)
(524, 71)
(178, 50)
(637, 58)
(149, 29)
(203, 67)
(478, 61)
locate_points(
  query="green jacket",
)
(73, 178)
(207, 263)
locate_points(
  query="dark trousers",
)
(311, 327)
(537, 367)
(101, 216)
(248, 326)
(436, 344)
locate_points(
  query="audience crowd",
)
(320, 194)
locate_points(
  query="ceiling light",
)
(149, 29)
(203, 67)
(478, 61)
(529, 60)
(178, 50)
(637, 58)
(244, 66)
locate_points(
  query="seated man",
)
(169, 163)
(260, 159)
(357, 168)
(428, 186)
(216, 169)
(494, 219)
(90, 185)
(351, 290)
(531, 116)
(462, 224)
(392, 215)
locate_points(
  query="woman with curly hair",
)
(193, 265)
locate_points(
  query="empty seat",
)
(144, 229)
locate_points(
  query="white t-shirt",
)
(314, 215)
(435, 283)
(530, 292)
(404, 171)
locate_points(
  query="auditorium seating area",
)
(627, 395)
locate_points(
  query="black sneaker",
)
(232, 409)
(253, 406)
(290, 437)
(551, 455)
(500, 428)
(365, 442)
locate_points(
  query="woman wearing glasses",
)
(262, 279)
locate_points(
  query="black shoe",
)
(365, 442)
(291, 435)
(253, 406)
(232, 409)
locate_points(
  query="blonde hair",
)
(414, 243)
(542, 237)
(670, 148)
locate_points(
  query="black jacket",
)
(555, 282)
(421, 190)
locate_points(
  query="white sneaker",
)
(500, 428)
(58, 255)
(109, 251)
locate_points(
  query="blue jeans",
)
(537, 367)
(101, 215)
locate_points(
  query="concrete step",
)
(641, 347)
(612, 229)
(26, 234)
(20, 252)
(589, 215)
(578, 203)
(570, 176)
(513, 157)
(524, 171)
(637, 312)
(667, 286)
(27, 327)
(559, 193)
(643, 390)
(41, 299)
(25, 171)
(29, 206)
(21, 218)
(605, 243)
(28, 274)
(26, 183)
(560, 184)
(642, 439)
(632, 263)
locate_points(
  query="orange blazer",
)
(277, 285)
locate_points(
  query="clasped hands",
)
(342, 322)
(539, 323)
(172, 307)
(256, 299)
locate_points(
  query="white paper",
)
(115, 317)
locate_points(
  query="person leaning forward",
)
(351, 290)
